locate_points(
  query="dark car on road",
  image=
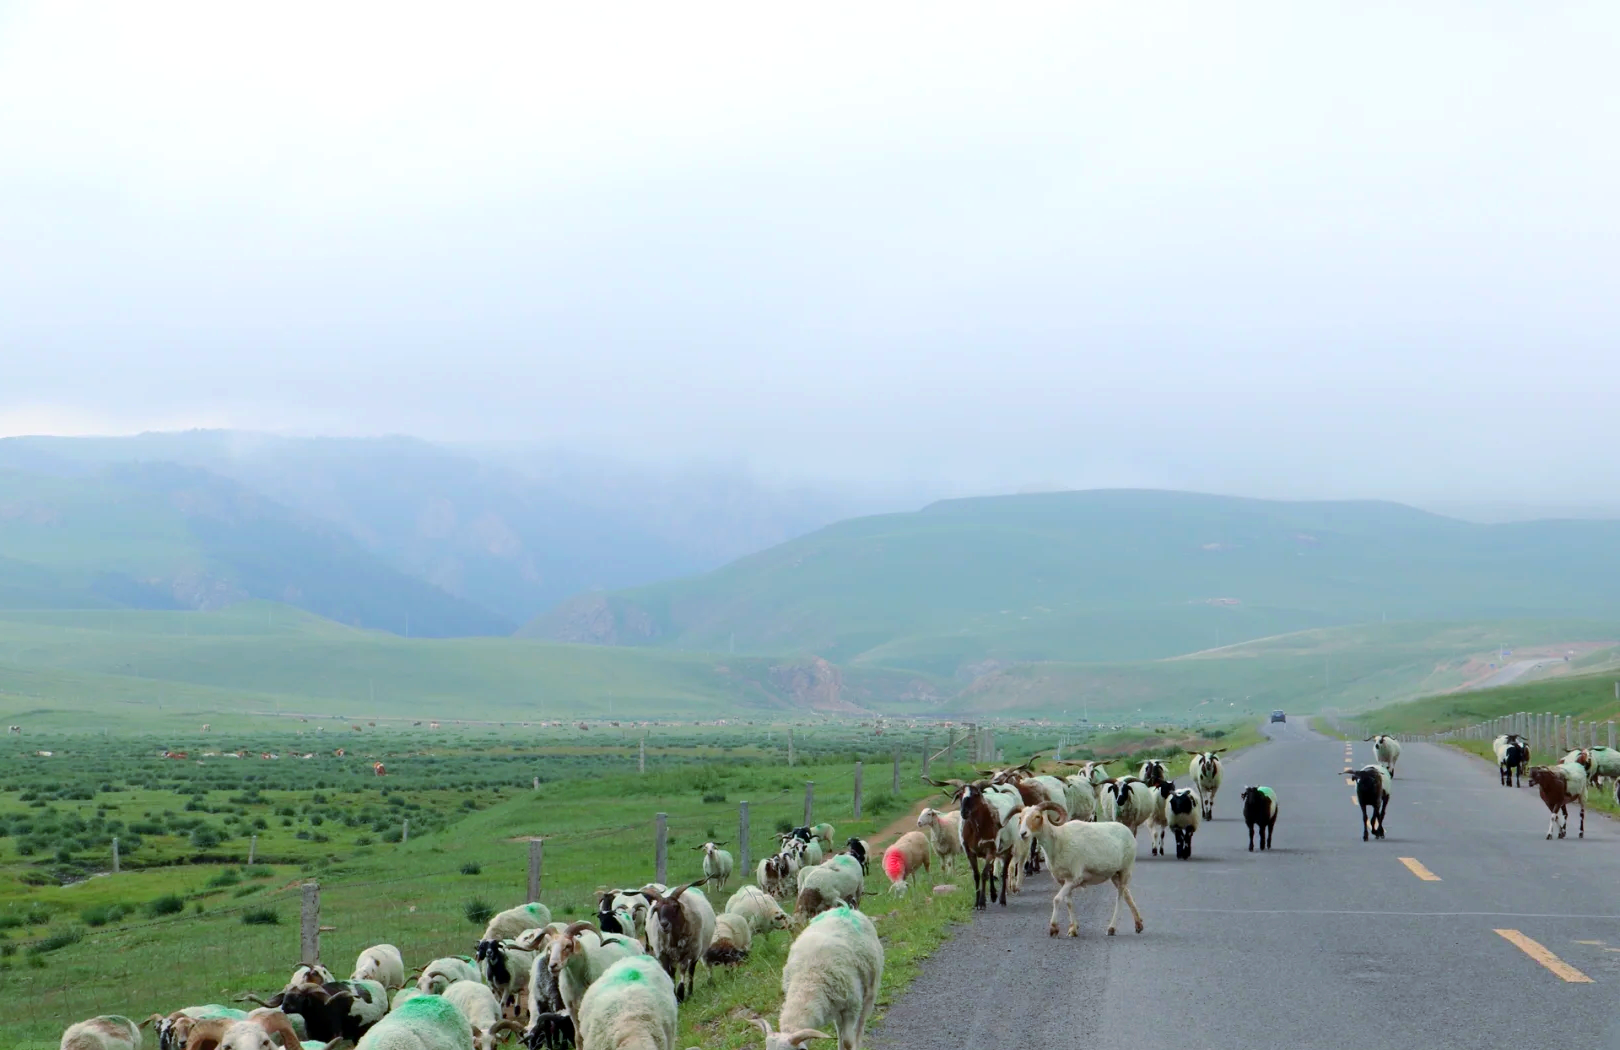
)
(1278, 716)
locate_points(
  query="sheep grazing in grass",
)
(381, 963)
(760, 909)
(733, 935)
(1205, 768)
(904, 859)
(427, 1022)
(513, 921)
(1512, 758)
(439, 974)
(857, 848)
(1372, 794)
(107, 1032)
(1183, 814)
(1599, 762)
(173, 1030)
(1559, 786)
(1387, 749)
(829, 982)
(944, 834)
(1260, 811)
(579, 955)
(824, 886)
(632, 1007)
(716, 863)
(1083, 854)
(824, 832)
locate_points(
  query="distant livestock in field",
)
(207, 727)
(379, 769)
(1512, 756)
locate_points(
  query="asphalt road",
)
(1324, 941)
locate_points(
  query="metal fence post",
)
(661, 852)
(742, 839)
(536, 860)
(309, 925)
(857, 791)
(809, 800)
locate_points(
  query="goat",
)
(1152, 773)
(1134, 802)
(1387, 749)
(1372, 792)
(1260, 811)
(632, 1007)
(680, 928)
(505, 969)
(830, 981)
(980, 829)
(1083, 854)
(1182, 814)
(1559, 786)
(579, 955)
(857, 848)
(716, 863)
(1599, 762)
(1205, 769)
(944, 834)
(1160, 820)
(336, 1009)
(1512, 756)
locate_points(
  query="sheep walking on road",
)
(1260, 811)
(1387, 749)
(1372, 793)
(1205, 769)
(1559, 786)
(1512, 757)
(1083, 854)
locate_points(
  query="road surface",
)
(1324, 941)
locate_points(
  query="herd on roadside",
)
(1560, 785)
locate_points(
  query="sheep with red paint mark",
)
(904, 859)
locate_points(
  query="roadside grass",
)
(1601, 800)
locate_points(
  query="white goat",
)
(1081, 855)
(579, 955)
(716, 864)
(632, 1007)
(1006, 802)
(830, 981)
(1205, 770)
(381, 963)
(1388, 749)
(1080, 797)
(425, 1022)
(944, 834)
(107, 1032)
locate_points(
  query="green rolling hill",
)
(966, 587)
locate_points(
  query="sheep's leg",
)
(1057, 898)
(1582, 833)
(978, 887)
(1552, 822)
(1123, 885)
(1364, 822)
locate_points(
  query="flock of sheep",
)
(614, 983)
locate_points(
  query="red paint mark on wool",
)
(894, 865)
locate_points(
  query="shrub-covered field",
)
(189, 920)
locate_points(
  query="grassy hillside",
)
(157, 536)
(1585, 697)
(1105, 576)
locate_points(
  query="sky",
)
(1309, 250)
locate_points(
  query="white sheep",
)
(1006, 802)
(829, 982)
(1079, 797)
(513, 921)
(381, 963)
(716, 864)
(1388, 749)
(827, 885)
(733, 935)
(505, 967)
(439, 974)
(1599, 762)
(259, 1032)
(482, 1010)
(1205, 768)
(410, 991)
(632, 1007)
(1083, 854)
(425, 1022)
(944, 834)
(1134, 803)
(1053, 789)
(579, 955)
(902, 860)
(1182, 815)
(172, 1031)
(760, 908)
(107, 1032)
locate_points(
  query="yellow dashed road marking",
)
(1418, 869)
(1545, 957)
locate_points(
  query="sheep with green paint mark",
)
(760, 908)
(824, 886)
(427, 1022)
(513, 921)
(829, 982)
(580, 955)
(631, 1007)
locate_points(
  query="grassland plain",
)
(1105, 575)
(187, 920)
(141, 669)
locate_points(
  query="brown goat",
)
(1558, 789)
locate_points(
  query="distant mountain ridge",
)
(962, 587)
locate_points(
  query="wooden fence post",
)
(309, 925)
(641, 759)
(895, 789)
(925, 757)
(253, 849)
(809, 800)
(536, 860)
(405, 832)
(661, 852)
(742, 840)
(857, 791)
(115, 854)
(790, 747)
(1611, 735)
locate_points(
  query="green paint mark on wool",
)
(843, 911)
(629, 974)
(434, 1007)
(1268, 793)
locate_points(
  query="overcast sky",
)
(1308, 249)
